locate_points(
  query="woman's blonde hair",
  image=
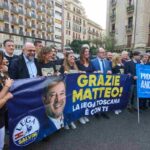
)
(115, 59)
(66, 64)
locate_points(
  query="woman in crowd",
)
(117, 68)
(5, 84)
(84, 64)
(70, 66)
(44, 56)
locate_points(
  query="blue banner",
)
(143, 81)
(43, 105)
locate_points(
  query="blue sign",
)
(43, 105)
(143, 81)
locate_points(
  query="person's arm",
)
(8, 83)
(5, 99)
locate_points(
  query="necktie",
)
(103, 67)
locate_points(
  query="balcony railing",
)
(130, 9)
(21, 32)
(6, 18)
(21, 22)
(113, 17)
(28, 34)
(6, 6)
(39, 27)
(129, 29)
(20, 11)
(6, 29)
(28, 14)
(16, 1)
(113, 3)
(1, 5)
(39, 18)
(49, 3)
(15, 31)
(1, 18)
(14, 20)
(21, 1)
(33, 15)
(14, 9)
(29, 25)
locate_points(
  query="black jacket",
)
(18, 68)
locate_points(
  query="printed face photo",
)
(55, 100)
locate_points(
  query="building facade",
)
(76, 25)
(128, 21)
(56, 22)
(27, 20)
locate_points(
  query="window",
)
(130, 22)
(129, 40)
(113, 28)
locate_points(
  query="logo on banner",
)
(26, 131)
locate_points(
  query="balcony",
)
(6, 30)
(39, 18)
(1, 18)
(112, 33)
(129, 29)
(130, 9)
(43, 19)
(21, 32)
(28, 34)
(113, 17)
(42, 1)
(21, 22)
(33, 16)
(40, 36)
(15, 21)
(14, 31)
(49, 3)
(28, 14)
(33, 26)
(33, 35)
(1, 5)
(29, 25)
(41, 9)
(113, 3)
(5, 5)
(16, 1)
(49, 21)
(30, 4)
(39, 27)
(6, 18)
(20, 1)
(20, 11)
(14, 9)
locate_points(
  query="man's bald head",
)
(29, 50)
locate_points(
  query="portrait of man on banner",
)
(54, 99)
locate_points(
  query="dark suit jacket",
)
(18, 68)
(130, 68)
(96, 66)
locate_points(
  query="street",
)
(120, 132)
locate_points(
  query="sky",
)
(96, 10)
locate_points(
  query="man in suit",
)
(130, 69)
(102, 65)
(9, 48)
(54, 99)
(26, 65)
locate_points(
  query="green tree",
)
(98, 42)
(77, 44)
(109, 43)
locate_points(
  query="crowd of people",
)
(39, 60)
